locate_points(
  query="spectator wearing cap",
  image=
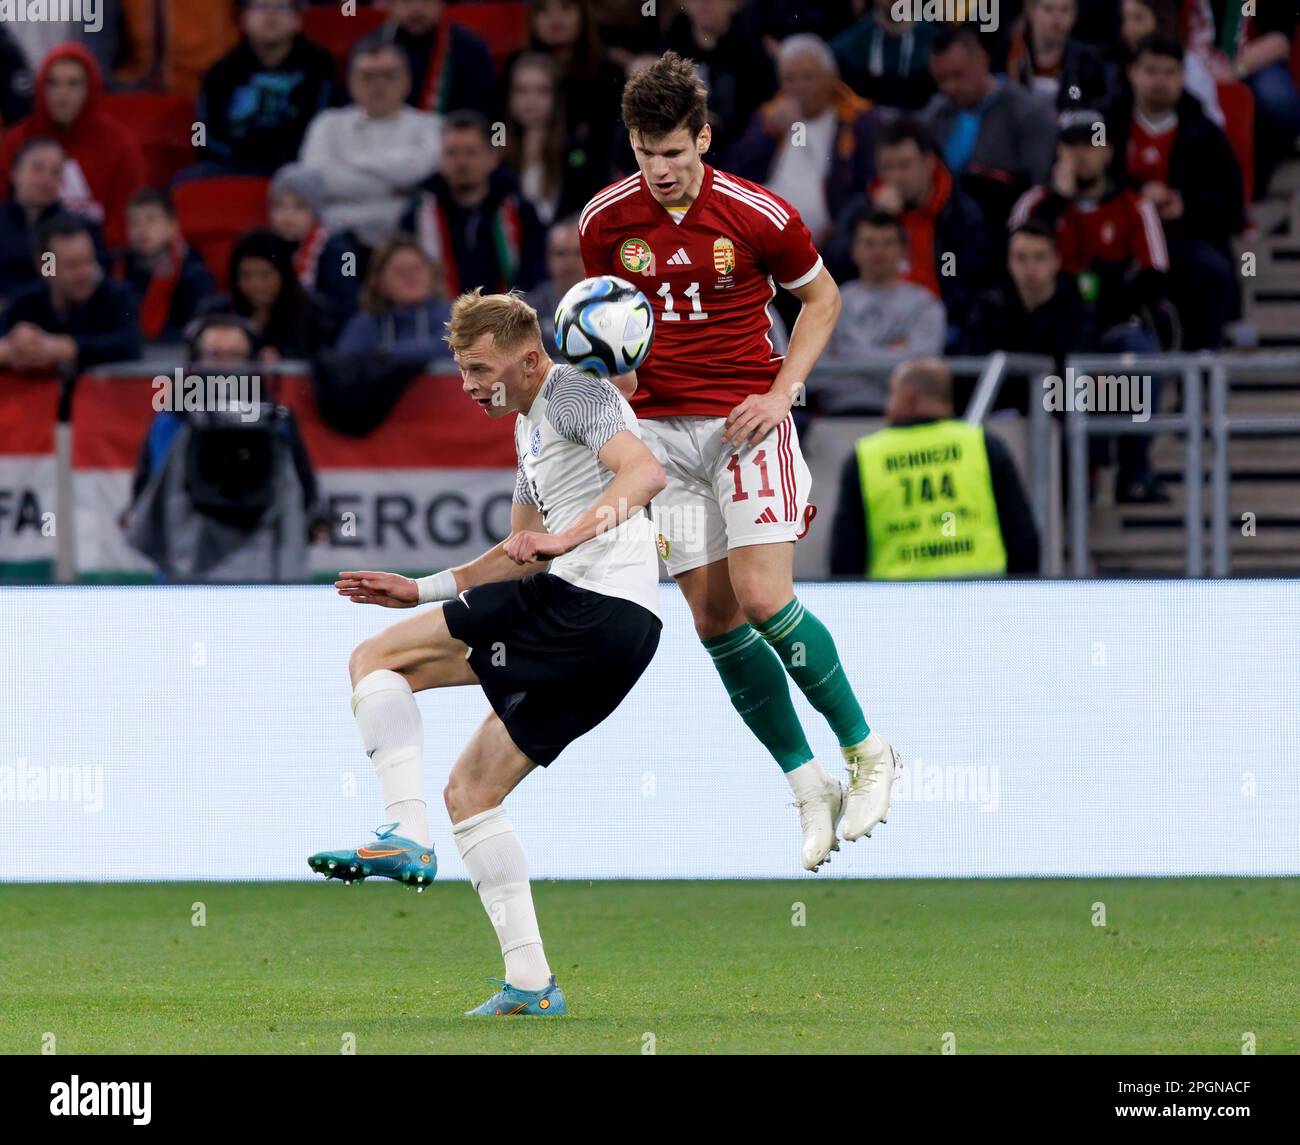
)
(372, 154)
(166, 277)
(887, 59)
(1111, 239)
(948, 252)
(1166, 148)
(832, 158)
(880, 313)
(451, 67)
(1044, 57)
(995, 137)
(1108, 235)
(258, 99)
(470, 217)
(73, 319)
(332, 266)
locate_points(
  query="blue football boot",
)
(393, 857)
(548, 1002)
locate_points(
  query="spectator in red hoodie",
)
(104, 165)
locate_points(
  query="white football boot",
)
(820, 810)
(873, 766)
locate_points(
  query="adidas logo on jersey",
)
(767, 517)
(679, 259)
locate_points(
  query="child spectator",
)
(332, 266)
(167, 278)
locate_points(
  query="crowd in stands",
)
(1071, 181)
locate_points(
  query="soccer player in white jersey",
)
(714, 403)
(575, 637)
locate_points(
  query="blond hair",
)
(507, 317)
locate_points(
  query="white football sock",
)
(393, 736)
(495, 860)
(808, 780)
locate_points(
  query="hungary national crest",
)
(724, 255)
(635, 255)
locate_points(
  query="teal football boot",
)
(548, 1002)
(393, 857)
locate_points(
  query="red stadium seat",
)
(163, 123)
(213, 213)
(502, 23)
(1238, 103)
(326, 25)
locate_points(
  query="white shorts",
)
(719, 497)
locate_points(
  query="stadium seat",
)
(1238, 103)
(328, 26)
(502, 23)
(162, 123)
(213, 213)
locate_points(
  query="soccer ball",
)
(604, 326)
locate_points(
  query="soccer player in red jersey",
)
(714, 401)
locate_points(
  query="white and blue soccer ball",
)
(604, 326)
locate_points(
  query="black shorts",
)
(554, 659)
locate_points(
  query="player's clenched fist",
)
(392, 590)
(524, 547)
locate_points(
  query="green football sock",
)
(808, 653)
(759, 692)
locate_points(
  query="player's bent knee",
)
(760, 603)
(464, 798)
(364, 660)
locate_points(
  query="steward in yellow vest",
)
(930, 497)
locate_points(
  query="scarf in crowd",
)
(156, 304)
(505, 229)
(437, 79)
(307, 256)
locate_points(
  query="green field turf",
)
(1182, 966)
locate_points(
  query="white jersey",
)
(557, 441)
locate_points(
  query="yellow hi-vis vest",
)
(929, 502)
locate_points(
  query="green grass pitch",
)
(1181, 966)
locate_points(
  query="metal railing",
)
(1192, 370)
(1223, 425)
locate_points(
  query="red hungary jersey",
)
(709, 279)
